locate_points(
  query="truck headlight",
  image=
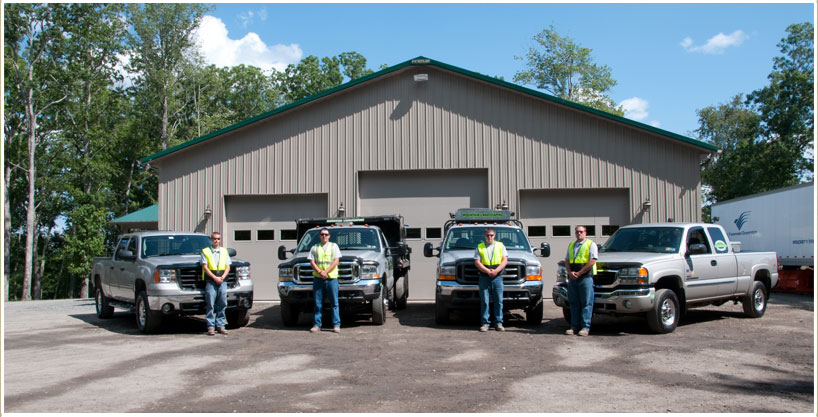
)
(562, 274)
(446, 273)
(369, 272)
(533, 273)
(164, 276)
(243, 272)
(633, 276)
(285, 274)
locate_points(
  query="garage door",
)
(551, 215)
(425, 199)
(257, 225)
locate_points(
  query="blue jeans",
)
(319, 288)
(581, 300)
(491, 288)
(215, 294)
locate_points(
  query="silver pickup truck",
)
(456, 287)
(661, 270)
(159, 273)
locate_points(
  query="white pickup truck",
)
(661, 270)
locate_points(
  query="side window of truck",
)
(719, 242)
(696, 235)
(123, 245)
(132, 246)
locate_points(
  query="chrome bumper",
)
(620, 301)
(366, 289)
(180, 300)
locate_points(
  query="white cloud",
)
(717, 44)
(635, 108)
(248, 18)
(218, 49)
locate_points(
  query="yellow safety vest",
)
(324, 260)
(496, 256)
(583, 256)
(211, 263)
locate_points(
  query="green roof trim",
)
(145, 215)
(431, 62)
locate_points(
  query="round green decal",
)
(721, 246)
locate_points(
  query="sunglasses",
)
(324, 234)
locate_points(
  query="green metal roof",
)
(146, 215)
(431, 62)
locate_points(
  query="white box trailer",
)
(781, 220)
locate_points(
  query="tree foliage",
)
(765, 138)
(561, 67)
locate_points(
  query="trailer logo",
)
(742, 219)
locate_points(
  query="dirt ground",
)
(59, 357)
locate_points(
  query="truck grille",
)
(468, 274)
(606, 272)
(190, 277)
(605, 277)
(348, 272)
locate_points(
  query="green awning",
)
(148, 214)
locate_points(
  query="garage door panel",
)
(590, 207)
(424, 199)
(266, 212)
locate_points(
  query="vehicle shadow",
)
(270, 318)
(124, 322)
(422, 314)
(800, 301)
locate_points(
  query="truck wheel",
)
(147, 320)
(664, 316)
(237, 317)
(441, 312)
(104, 310)
(289, 314)
(755, 304)
(401, 292)
(566, 314)
(534, 315)
(378, 308)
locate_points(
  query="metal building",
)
(422, 139)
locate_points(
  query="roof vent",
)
(421, 77)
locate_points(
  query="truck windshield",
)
(470, 237)
(645, 239)
(173, 245)
(346, 238)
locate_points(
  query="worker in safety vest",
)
(491, 258)
(215, 267)
(324, 258)
(580, 264)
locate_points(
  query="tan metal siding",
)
(394, 123)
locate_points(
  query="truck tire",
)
(104, 310)
(664, 316)
(755, 304)
(533, 315)
(566, 314)
(147, 320)
(289, 314)
(237, 317)
(401, 292)
(441, 313)
(379, 308)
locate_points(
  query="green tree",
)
(763, 139)
(34, 58)
(787, 105)
(561, 67)
(161, 48)
(313, 75)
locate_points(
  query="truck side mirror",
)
(231, 252)
(545, 250)
(125, 255)
(282, 253)
(428, 250)
(696, 249)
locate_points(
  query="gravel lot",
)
(59, 357)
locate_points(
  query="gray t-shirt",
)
(490, 249)
(217, 254)
(593, 251)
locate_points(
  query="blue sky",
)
(668, 59)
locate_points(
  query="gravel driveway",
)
(59, 357)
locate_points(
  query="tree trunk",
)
(31, 214)
(6, 232)
(165, 122)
